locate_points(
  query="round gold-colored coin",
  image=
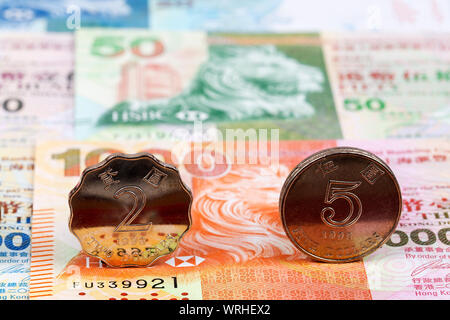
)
(340, 204)
(130, 210)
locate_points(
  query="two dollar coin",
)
(340, 204)
(130, 210)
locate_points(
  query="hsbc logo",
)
(185, 261)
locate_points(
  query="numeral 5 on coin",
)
(341, 190)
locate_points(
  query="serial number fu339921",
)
(155, 283)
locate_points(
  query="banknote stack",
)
(80, 81)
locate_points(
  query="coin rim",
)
(134, 156)
(305, 164)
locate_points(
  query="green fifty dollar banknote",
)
(131, 81)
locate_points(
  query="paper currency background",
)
(82, 79)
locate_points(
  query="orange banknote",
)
(236, 247)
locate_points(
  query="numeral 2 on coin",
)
(140, 199)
